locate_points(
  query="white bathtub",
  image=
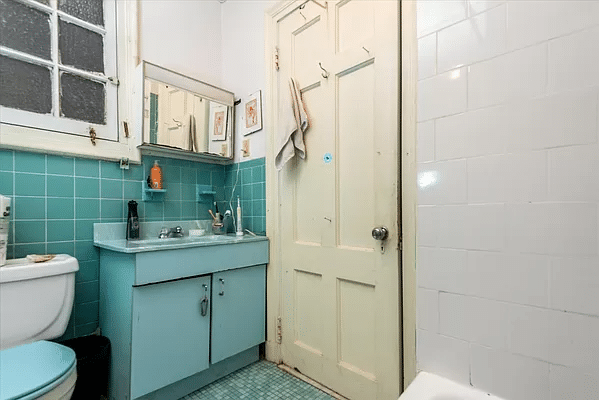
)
(428, 386)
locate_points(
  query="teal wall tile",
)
(111, 209)
(30, 184)
(154, 211)
(111, 189)
(85, 329)
(171, 173)
(60, 186)
(188, 210)
(30, 231)
(61, 248)
(86, 292)
(6, 183)
(89, 168)
(188, 175)
(30, 162)
(132, 190)
(22, 250)
(218, 177)
(84, 228)
(173, 192)
(172, 210)
(86, 313)
(204, 178)
(110, 170)
(246, 192)
(88, 271)
(87, 187)
(60, 230)
(10, 250)
(188, 192)
(87, 208)
(246, 176)
(60, 165)
(86, 251)
(29, 207)
(6, 160)
(59, 208)
(134, 173)
(256, 208)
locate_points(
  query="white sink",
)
(185, 239)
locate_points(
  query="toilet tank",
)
(36, 299)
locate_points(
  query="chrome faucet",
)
(177, 231)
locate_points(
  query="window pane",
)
(80, 48)
(87, 10)
(82, 99)
(25, 29)
(25, 86)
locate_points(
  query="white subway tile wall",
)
(508, 207)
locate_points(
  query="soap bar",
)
(197, 232)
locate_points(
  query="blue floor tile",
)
(259, 381)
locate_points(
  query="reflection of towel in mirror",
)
(193, 138)
(293, 123)
(183, 133)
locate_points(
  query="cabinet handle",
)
(204, 302)
(222, 287)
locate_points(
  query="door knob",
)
(380, 233)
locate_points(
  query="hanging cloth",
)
(294, 122)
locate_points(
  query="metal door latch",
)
(204, 302)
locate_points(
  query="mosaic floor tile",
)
(259, 381)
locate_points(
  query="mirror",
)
(185, 118)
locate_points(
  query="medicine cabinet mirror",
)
(183, 117)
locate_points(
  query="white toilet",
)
(36, 300)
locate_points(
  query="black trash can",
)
(93, 366)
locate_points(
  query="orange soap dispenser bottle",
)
(156, 176)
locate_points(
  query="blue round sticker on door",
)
(328, 157)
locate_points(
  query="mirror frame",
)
(147, 70)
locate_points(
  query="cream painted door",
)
(340, 287)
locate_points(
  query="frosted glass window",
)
(25, 86)
(59, 57)
(80, 48)
(25, 29)
(82, 99)
(87, 10)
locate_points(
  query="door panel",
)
(340, 287)
(355, 23)
(355, 141)
(356, 313)
(308, 320)
(170, 337)
(311, 173)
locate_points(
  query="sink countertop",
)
(139, 246)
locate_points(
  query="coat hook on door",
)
(326, 73)
(366, 50)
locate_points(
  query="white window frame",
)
(68, 137)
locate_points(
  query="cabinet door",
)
(238, 311)
(170, 338)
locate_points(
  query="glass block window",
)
(58, 65)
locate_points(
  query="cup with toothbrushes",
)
(217, 226)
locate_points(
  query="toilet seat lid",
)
(31, 367)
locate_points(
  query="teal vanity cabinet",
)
(171, 332)
(238, 304)
(180, 318)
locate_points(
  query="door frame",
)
(406, 182)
